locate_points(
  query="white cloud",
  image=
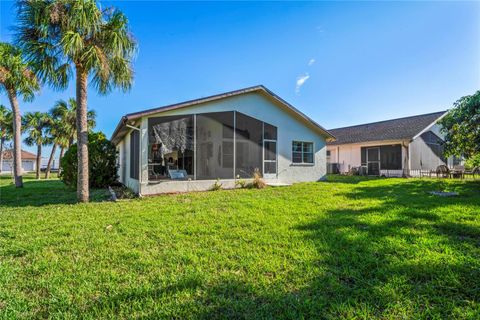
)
(301, 81)
(311, 62)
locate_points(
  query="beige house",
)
(28, 161)
(397, 147)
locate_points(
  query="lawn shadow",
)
(374, 264)
(43, 192)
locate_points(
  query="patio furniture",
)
(443, 171)
(474, 172)
(457, 172)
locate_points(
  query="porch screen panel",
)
(215, 149)
(134, 154)
(391, 157)
(170, 145)
(248, 145)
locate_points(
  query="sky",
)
(341, 63)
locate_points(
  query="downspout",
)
(140, 173)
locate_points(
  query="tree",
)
(6, 130)
(63, 128)
(66, 111)
(16, 79)
(102, 161)
(36, 124)
(461, 127)
(61, 35)
(55, 137)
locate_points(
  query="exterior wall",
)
(289, 128)
(349, 155)
(27, 165)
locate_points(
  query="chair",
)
(474, 172)
(442, 171)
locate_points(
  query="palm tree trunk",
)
(17, 138)
(39, 159)
(2, 142)
(62, 150)
(82, 136)
(49, 164)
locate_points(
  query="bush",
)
(216, 186)
(102, 165)
(473, 162)
(258, 182)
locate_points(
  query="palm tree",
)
(54, 137)
(63, 130)
(6, 121)
(36, 124)
(16, 79)
(61, 35)
(67, 112)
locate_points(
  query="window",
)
(302, 152)
(328, 153)
(134, 154)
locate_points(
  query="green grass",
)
(347, 248)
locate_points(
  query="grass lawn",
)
(346, 248)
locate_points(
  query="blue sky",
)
(341, 63)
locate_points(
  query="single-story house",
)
(189, 145)
(397, 147)
(28, 161)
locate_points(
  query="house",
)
(28, 161)
(398, 147)
(189, 145)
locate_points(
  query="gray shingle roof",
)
(121, 129)
(395, 129)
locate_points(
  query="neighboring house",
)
(28, 161)
(53, 166)
(187, 146)
(398, 147)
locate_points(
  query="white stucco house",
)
(189, 145)
(28, 161)
(398, 147)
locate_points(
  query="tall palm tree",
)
(63, 129)
(6, 130)
(16, 79)
(36, 124)
(61, 35)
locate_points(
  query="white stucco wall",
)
(289, 128)
(349, 155)
(27, 165)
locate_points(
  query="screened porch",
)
(207, 146)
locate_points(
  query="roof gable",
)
(395, 129)
(8, 155)
(121, 129)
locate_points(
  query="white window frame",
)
(303, 152)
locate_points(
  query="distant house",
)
(28, 161)
(395, 147)
(229, 136)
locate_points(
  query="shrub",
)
(258, 182)
(102, 165)
(241, 183)
(216, 186)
